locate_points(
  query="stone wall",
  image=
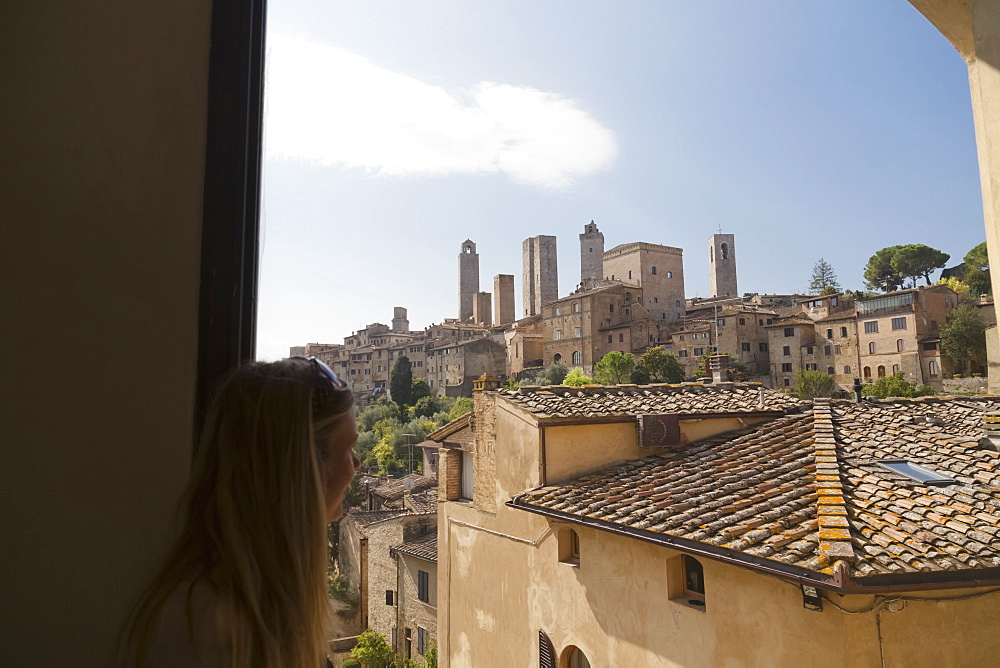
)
(540, 276)
(484, 471)
(722, 265)
(414, 612)
(503, 299)
(591, 253)
(468, 278)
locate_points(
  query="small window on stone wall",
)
(569, 547)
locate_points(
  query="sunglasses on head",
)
(328, 383)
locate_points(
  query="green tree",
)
(656, 365)
(879, 272)
(737, 369)
(915, 260)
(977, 271)
(576, 378)
(895, 386)
(552, 374)
(461, 406)
(824, 279)
(382, 409)
(614, 368)
(963, 338)
(373, 651)
(811, 384)
(419, 390)
(401, 381)
(977, 258)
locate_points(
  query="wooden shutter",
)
(546, 652)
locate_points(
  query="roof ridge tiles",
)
(834, 529)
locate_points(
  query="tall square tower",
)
(591, 253)
(722, 265)
(503, 299)
(540, 276)
(468, 279)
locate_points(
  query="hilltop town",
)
(631, 298)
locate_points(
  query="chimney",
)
(719, 366)
(857, 390)
(991, 425)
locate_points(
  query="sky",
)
(394, 131)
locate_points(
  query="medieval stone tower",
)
(468, 279)
(591, 253)
(503, 299)
(399, 320)
(722, 265)
(539, 276)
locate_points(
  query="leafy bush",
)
(895, 386)
(337, 589)
(576, 378)
(811, 384)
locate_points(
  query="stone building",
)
(591, 253)
(749, 524)
(578, 330)
(901, 332)
(792, 344)
(658, 270)
(540, 275)
(452, 367)
(415, 630)
(523, 342)
(722, 265)
(503, 299)
(468, 279)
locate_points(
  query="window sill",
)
(575, 563)
(693, 601)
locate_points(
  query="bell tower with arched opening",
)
(722, 265)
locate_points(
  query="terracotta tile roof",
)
(394, 489)
(804, 491)
(422, 502)
(454, 431)
(362, 519)
(561, 401)
(422, 547)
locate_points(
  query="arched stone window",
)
(724, 251)
(881, 371)
(867, 372)
(871, 348)
(654, 271)
(899, 345)
(932, 368)
(557, 358)
(577, 357)
(895, 369)
(847, 369)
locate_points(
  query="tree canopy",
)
(888, 268)
(552, 374)
(977, 258)
(824, 279)
(614, 368)
(401, 382)
(656, 365)
(963, 338)
(811, 384)
(977, 271)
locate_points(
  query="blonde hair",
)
(254, 523)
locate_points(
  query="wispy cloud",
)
(331, 107)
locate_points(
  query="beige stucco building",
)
(754, 529)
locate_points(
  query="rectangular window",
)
(787, 383)
(721, 322)
(388, 596)
(871, 327)
(745, 347)
(827, 350)
(621, 337)
(809, 350)
(786, 350)
(789, 331)
(836, 349)
(423, 586)
(682, 353)
(421, 640)
(698, 352)
(558, 334)
(811, 367)
(466, 461)
(677, 303)
(899, 323)
(770, 321)
(786, 367)
(763, 347)
(829, 333)
(576, 332)
(743, 321)
(609, 338)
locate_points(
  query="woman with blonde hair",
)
(245, 582)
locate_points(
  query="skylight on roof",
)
(920, 474)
